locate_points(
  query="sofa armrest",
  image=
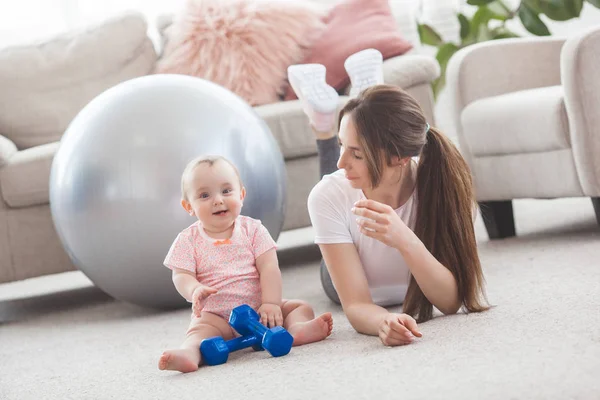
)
(498, 67)
(410, 70)
(581, 80)
(7, 149)
(502, 66)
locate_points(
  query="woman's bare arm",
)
(351, 284)
(435, 280)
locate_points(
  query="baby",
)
(224, 260)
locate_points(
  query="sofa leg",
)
(498, 218)
(596, 204)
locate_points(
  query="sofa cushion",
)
(7, 149)
(24, 180)
(45, 85)
(527, 121)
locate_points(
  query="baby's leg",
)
(299, 320)
(187, 357)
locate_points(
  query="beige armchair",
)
(527, 115)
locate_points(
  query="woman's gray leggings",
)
(329, 153)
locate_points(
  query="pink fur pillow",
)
(243, 45)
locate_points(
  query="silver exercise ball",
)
(115, 181)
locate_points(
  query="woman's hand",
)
(270, 315)
(385, 225)
(398, 330)
(198, 298)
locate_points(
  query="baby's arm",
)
(185, 282)
(270, 277)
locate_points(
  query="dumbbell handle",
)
(242, 342)
(257, 328)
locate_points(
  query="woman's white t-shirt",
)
(329, 205)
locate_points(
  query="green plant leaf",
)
(531, 21)
(560, 10)
(429, 36)
(484, 34)
(534, 5)
(575, 6)
(595, 3)
(499, 11)
(444, 53)
(481, 18)
(502, 32)
(464, 26)
(479, 2)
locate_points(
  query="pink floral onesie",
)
(226, 265)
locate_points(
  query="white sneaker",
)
(319, 100)
(364, 69)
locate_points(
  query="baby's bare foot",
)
(177, 360)
(312, 331)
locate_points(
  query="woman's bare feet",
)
(313, 330)
(178, 360)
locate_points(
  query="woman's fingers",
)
(372, 205)
(394, 335)
(366, 213)
(373, 226)
(410, 324)
(402, 330)
(391, 338)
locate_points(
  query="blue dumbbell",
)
(277, 341)
(216, 350)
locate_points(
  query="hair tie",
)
(426, 127)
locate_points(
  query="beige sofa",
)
(527, 114)
(43, 88)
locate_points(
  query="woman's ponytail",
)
(445, 224)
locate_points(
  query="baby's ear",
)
(187, 207)
(243, 193)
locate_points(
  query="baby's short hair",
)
(209, 159)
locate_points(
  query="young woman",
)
(395, 222)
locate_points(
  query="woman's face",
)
(352, 159)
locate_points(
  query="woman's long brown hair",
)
(390, 122)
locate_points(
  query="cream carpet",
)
(61, 338)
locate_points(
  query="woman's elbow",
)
(450, 309)
(358, 326)
(357, 320)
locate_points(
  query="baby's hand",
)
(198, 297)
(270, 315)
(398, 330)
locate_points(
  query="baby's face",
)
(215, 195)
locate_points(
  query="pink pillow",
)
(243, 45)
(354, 25)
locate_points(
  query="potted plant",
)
(488, 22)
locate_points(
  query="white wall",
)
(26, 21)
